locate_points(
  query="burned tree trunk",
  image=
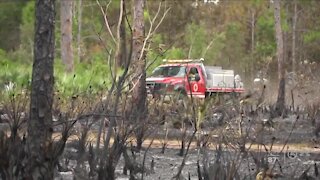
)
(139, 64)
(280, 104)
(39, 164)
(66, 34)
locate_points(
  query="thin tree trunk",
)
(39, 164)
(285, 34)
(139, 64)
(79, 29)
(121, 36)
(66, 34)
(253, 19)
(280, 104)
(294, 24)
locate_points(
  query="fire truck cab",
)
(192, 78)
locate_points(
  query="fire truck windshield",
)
(169, 71)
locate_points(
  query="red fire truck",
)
(191, 77)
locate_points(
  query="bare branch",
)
(104, 13)
(162, 18)
(160, 54)
(151, 30)
(208, 47)
(119, 24)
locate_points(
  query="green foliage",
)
(155, 58)
(196, 40)
(157, 53)
(146, 15)
(25, 50)
(10, 19)
(94, 35)
(256, 3)
(157, 39)
(311, 36)
(175, 53)
(234, 45)
(214, 53)
(311, 40)
(28, 13)
(265, 44)
(13, 71)
(285, 25)
(93, 77)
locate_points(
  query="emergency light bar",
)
(183, 60)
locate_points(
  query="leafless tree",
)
(294, 29)
(66, 34)
(139, 64)
(79, 29)
(280, 104)
(118, 108)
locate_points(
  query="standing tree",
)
(39, 164)
(79, 30)
(139, 64)
(66, 34)
(121, 37)
(280, 104)
(294, 29)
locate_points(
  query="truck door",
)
(196, 82)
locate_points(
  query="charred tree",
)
(39, 164)
(280, 104)
(66, 34)
(139, 64)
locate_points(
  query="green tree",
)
(234, 48)
(27, 32)
(308, 28)
(196, 40)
